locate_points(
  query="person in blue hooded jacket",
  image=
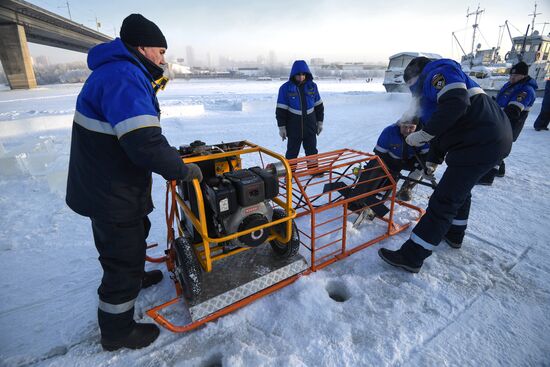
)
(468, 130)
(116, 143)
(516, 98)
(299, 111)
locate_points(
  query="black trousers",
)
(294, 143)
(544, 116)
(449, 205)
(121, 248)
(543, 119)
(369, 176)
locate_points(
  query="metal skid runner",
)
(319, 188)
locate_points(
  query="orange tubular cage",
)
(323, 237)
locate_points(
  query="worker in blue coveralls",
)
(516, 98)
(300, 111)
(398, 155)
(543, 119)
(470, 132)
(116, 143)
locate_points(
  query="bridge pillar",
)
(15, 57)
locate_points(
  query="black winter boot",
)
(410, 256)
(454, 239)
(488, 178)
(141, 336)
(501, 170)
(151, 278)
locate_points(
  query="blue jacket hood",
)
(108, 52)
(300, 66)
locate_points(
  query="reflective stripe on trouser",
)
(460, 222)
(449, 202)
(121, 248)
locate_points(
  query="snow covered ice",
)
(487, 304)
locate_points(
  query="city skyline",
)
(347, 31)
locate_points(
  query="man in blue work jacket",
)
(300, 111)
(466, 128)
(398, 155)
(516, 98)
(116, 143)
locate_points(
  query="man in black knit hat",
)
(116, 144)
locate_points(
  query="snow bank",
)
(33, 125)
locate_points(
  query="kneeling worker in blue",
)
(466, 128)
(398, 155)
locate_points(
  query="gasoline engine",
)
(235, 198)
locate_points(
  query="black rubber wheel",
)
(188, 271)
(285, 250)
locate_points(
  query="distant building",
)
(190, 56)
(178, 71)
(348, 70)
(41, 61)
(251, 72)
(272, 60)
(260, 60)
(317, 61)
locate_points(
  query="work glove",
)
(418, 138)
(319, 127)
(193, 171)
(282, 132)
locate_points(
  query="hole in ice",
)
(338, 291)
(213, 361)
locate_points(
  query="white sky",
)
(345, 30)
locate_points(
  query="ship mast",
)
(534, 16)
(475, 25)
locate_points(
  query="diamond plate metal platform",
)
(239, 276)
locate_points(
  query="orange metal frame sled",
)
(327, 214)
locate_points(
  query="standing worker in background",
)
(466, 128)
(515, 98)
(543, 119)
(300, 111)
(116, 143)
